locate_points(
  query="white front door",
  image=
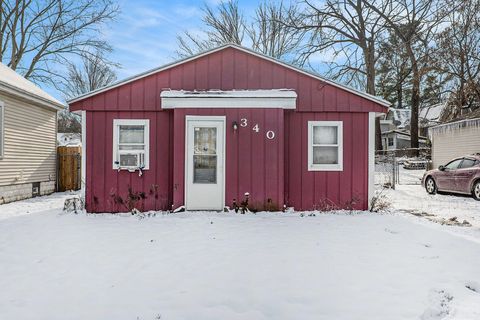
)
(205, 169)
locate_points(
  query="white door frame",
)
(222, 180)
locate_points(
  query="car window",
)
(467, 163)
(452, 165)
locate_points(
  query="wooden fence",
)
(69, 168)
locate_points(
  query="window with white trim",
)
(2, 128)
(131, 144)
(325, 146)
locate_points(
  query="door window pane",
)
(205, 141)
(325, 155)
(204, 169)
(325, 135)
(131, 134)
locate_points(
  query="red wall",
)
(253, 165)
(104, 184)
(319, 189)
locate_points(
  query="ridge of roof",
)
(222, 47)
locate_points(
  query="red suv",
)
(461, 175)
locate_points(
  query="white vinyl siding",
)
(2, 126)
(454, 143)
(325, 145)
(131, 144)
(29, 142)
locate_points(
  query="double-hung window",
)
(131, 144)
(325, 146)
(2, 128)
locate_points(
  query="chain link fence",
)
(401, 167)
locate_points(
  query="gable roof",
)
(431, 115)
(400, 117)
(243, 49)
(14, 83)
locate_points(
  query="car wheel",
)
(431, 186)
(476, 190)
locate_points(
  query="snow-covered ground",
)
(413, 200)
(34, 205)
(229, 266)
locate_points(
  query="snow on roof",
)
(69, 139)
(400, 117)
(431, 114)
(275, 93)
(13, 80)
(275, 98)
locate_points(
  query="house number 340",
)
(269, 134)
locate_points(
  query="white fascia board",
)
(31, 97)
(228, 102)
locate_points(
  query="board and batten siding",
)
(454, 142)
(274, 170)
(29, 143)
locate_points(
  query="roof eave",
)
(32, 97)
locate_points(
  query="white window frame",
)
(2, 129)
(116, 152)
(325, 167)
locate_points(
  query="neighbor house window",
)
(130, 144)
(325, 146)
(390, 142)
(2, 128)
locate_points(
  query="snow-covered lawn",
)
(228, 266)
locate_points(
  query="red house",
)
(204, 131)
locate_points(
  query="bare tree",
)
(268, 32)
(36, 37)
(224, 24)
(94, 72)
(415, 22)
(458, 52)
(351, 31)
(347, 28)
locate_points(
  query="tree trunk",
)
(369, 55)
(415, 99)
(399, 95)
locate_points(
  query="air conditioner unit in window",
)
(131, 161)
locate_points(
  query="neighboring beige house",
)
(455, 139)
(28, 126)
(400, 139)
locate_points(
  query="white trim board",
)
(284, 99)
(116, 152)
(371, 156)
(339, 145)
(179, 62)
(84, 154)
